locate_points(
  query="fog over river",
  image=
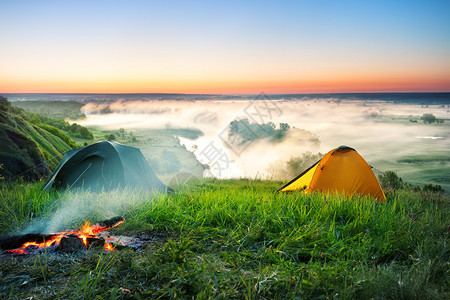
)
(383, 132)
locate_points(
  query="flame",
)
(109, 247)
(84, 239)
(87, 228)
(83, 234)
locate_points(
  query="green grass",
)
(40, 143)
(237, 239)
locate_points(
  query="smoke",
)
(74, 208)
(382, 132)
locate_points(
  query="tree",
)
(5, 105)
(284, 126)
(428, 118)
(85, 133)
(242, 131)
(271, 125)
(74, 127)
(110, 137)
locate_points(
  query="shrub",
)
(110, 137)
(390, 180)
(81, 132)
(433, 188)
(430, 118)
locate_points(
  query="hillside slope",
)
(26, 150)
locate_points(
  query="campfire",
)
(68, 241)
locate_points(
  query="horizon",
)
(200, 47)
(221, 94)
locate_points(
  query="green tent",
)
(104, 165)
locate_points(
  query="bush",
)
(433, 188)
(81, 132)
(390, 180)
(430, 118)
(110, 137)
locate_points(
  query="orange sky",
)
(224, 86)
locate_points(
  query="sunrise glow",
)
(204, 47)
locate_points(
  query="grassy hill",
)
(27, 150)
(171, 161)
(235, 239)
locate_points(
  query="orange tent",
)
(342, 170)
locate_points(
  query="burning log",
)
(69, 241)
(17, 241)
(107, 224)
(73, 243)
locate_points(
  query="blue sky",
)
(218, 46)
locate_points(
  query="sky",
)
(224, 47)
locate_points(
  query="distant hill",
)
(53, 109)
(26, 150)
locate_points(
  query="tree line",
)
(251, 131)
(54, 126)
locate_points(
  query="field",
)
(234, 239)
(417, 162)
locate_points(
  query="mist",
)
(381, 131)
